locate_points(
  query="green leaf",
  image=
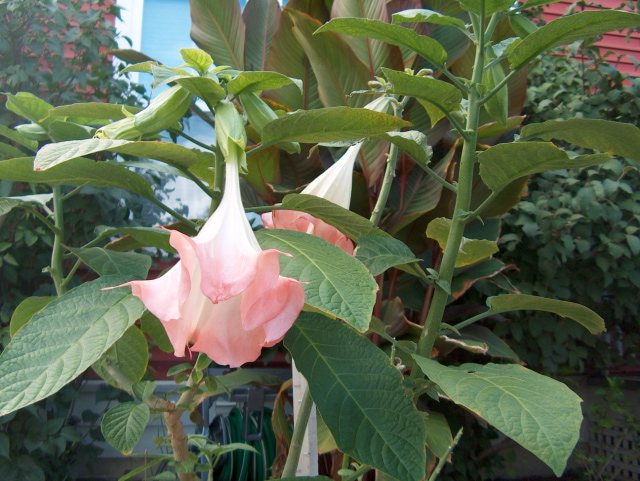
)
(63, 340)
(471, 250)
(77, 172)
(540, 413)
(151, 325)
(360, 396)
(30, 107)
(242, 377)
(107, 262)
(18, 138)
(218, 29)
(330, 124)
(130, 354)
(197, 59)
(61, 131)
(615, 138)
(333, 281)
(143, 390)
(566, 30)
(9, 151)
(497, 347)
(579, 313)
(26, 310)
(439, 437)
(498, 105)
(93, 111)
(504, 163)
(381, 252)
(246, 82)
(123, 425)
(413, 143)
(7, 204)
(145, 236)
(349, 223)
(337, 68)
(425, 46)
(54, 154)
(424, 15)
(437, 97)
(262, 20)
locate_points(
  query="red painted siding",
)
(615, 42)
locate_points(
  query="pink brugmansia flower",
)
(334, 184)
(225, 295)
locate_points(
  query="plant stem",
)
(172, 212)
(389, 174)
(56, 269)
(299, 428)
(462, 204)
(443, 460)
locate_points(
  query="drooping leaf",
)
(566, 30)
(246, 82)
(18, 138)
(540, 413)
(498, 105)
(354, 384)
(437, 97)
(7, 204)
(30, 107)
(63, 340)
(497, 347)
(425, 15)
(413, 143)
(336, 283)
(579, 313)
(338, 70)
(615, 138)
(77, 172)
(123, 425)
(504, 163)
(26, 310)
(261, 18)
(330, 124)
(61, 131)
(9, 151)
(108, 262)
(54, 154)
(93, 110)
(439, 437)
(137, 237)
(425, 46)
(130, 355)
(471, 250)
(242, 377)
(152, 326)
(218, 29)
(381, 252)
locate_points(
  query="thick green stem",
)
(463, 202)
(56, 269)
(299, 428)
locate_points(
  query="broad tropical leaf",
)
(124, 424)
(360, 396)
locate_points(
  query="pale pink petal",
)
(222, 338)
(288, 293)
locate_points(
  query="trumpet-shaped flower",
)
(225, 296)
(334, 184)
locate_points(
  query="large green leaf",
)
(579, 313)
(504, 163)
(18, 138)
(360, 396)
(217, 28)
(130, 355)
(540, 413)
(381, 252)
(63, 340)
(424, 15)
(261, 19)
(614, 138)
(437, 97)
(330, 124)
(30, 107)
(566, 30)
(53, 154)
(486, 7)
(425, 46)
(333, 281)
(338, 70)
(26, 310)
(93, 111)
(107, 262)
(471, 250)
(413, 143)
(77, 172)
(124, 425)
(136, 237)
